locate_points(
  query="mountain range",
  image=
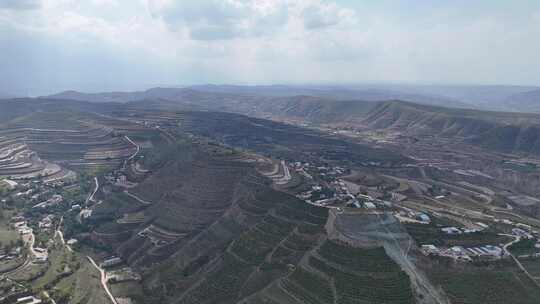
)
(378, 110)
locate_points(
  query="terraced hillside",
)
(207, 227)
(500, 131)
(19, 162)
(74, 138)
(338, 273)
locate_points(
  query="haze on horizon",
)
(99, 45)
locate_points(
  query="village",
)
(35, 212)
(328, 187)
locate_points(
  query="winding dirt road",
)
(103, 280)
(91, 196)
(518, 263)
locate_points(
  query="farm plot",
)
(367, 275)
(159, 236)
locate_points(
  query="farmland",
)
(211, 207)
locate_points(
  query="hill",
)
(73, 134)
(247, 93)
(499, 131)
(365, 92)
(523, 102)
(215, 231)
(485, 97)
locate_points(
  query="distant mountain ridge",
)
(499, 131)
(327, 92)
(337, 93)
(4, 95)
(524, 102)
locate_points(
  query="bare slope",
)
(499, 131)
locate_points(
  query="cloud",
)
(20, 4)
(230, 19)
(105, 2)
(324, 15)
(265, 41)
(220, 20)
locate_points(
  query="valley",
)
(237, 200)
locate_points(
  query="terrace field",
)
(474, 285)
(223, 234)
(202, 205)
(67, 136)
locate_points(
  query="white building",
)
(369, 205)
(522, 233)
(451, 230)
(430, 249)
(28, 300)
(9, 183)
(424, 218)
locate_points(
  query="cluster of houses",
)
(368, 202)
(122, 275)
(459, 253)
(318, 195)
(521, 226)
(33, 190)
(322, 171)
(85, 213)
(53, 201)
(118, 178)
(46, 223)
(458, 231)
(118, 275)
(410, 216)
(522, 233)
(333, 190)
(339, 193)
(111, 262)
(20, 224)
(41, 255)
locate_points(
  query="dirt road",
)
(518, 263)
(103, 280)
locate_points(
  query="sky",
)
(48, 46)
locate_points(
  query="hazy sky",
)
(52, 45)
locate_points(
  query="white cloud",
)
(20, 4)
(214, 19)
(325, 14)
(230, 19)
(105, 2)
(272, 41)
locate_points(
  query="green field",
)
(523, 247)
(366, 274)
(501, 284)
(7, 234)
(62, 264)
(532, 266)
